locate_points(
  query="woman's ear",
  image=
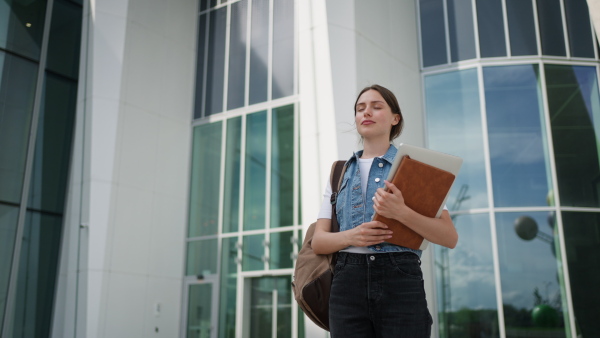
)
(396, 119)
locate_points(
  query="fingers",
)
(371, 233)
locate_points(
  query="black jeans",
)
(378, 295)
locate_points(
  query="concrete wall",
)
(127, 210)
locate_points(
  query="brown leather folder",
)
(424, 188)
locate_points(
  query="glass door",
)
(201, 311)
(268, 307)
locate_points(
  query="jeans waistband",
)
(376, 258)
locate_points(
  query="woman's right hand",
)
(369, 233)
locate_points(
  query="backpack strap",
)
(337, 173)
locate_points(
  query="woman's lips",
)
(365, 122)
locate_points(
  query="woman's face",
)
(374, 118)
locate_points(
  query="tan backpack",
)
(313, 273)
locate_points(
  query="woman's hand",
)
(390, 203)
(366, 234)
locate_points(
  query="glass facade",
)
(39, 65)
(526, 201)
(244, 229)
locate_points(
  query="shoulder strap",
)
(337, 173)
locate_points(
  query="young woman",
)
(377, 288)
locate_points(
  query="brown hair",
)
(391, 100)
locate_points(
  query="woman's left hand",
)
(390, 203)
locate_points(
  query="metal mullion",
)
(447, 32)
(270, 54)
(226, 57)
(248, 49)
(475, 29)
(492, 214)
(268, 165)
(205, 62)
(37, 104)
(239, 308)
(563, 17)
(559, 223)
(506, 28)
(538, 34)
(419, 36)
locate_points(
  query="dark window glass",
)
(203, 5)
(283, 48)
(466, 288)
(253, 252)
(579, 28)
(454, 127)
(228, 291)
(281, 249)
(201, 57)
(521, 27)
(213, 3)
(270, 299)
(532, 285)
(199, 314)
(551, 27)
(517, 141)
(282, 167)
(237, 55)
(215, 65)
(582, 240)
(460, 30)
(491, 28)
(433, 33)
(8, 232)
(231, 193)
(202, 257)
(255, 175)
(53, 145)
(204, 185)
(17, 91)
(21, 26)
(573, 101)
(259, 51)
(65, 37)
(38, 265)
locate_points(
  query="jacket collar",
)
(388, 156)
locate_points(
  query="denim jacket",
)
(352, 209)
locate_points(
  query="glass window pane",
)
(253, 252)
(38, 266)
(21, 26)
(231, 193)
(259, 51)
(579, 28)
(282, 167)
(199, 310)
(255, 175)
(283, 48)
(491, 28)
(204, 186)
(460, 30)
(267, 295)
(199, 90)
(517, 140)
(582, 240)
(65, 37)
(202, 257)
(52, 157)
(215, 66)
(8, 232)
(532, 295)
(433, 33)
(203, 5)
(521, 27)
(228, 292)
(281, 248)
(17, 91)
(574, 105)
(237, 55)
(465, 280)
(454, 127)
(551, 27)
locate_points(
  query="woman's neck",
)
(375, 149)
